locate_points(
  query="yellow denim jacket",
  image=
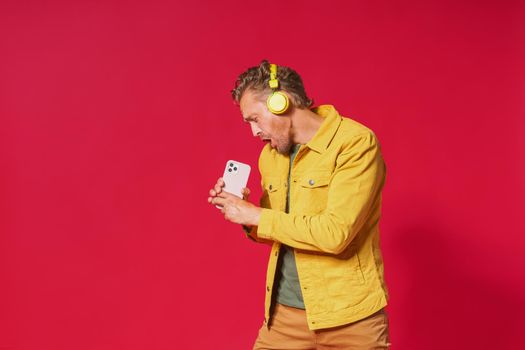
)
(333, 220)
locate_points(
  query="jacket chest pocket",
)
(275, 190)
(313, 192)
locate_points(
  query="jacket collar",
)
(327, 130)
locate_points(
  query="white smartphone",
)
(235, 177)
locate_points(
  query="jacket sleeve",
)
(356, 184)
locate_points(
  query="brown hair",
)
(257, 78)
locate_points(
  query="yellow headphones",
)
(277, 102)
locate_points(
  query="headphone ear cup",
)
(278, 102)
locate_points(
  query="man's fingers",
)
(213, 193)
(226, 195)
(211, 200)
(219, 201)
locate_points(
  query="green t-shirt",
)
(288, 287)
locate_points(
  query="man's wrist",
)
(254, 221)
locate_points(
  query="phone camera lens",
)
(235, 168)
(230, 170)
(231, 164)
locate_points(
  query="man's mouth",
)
(268, 140)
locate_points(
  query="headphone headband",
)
(274, 83)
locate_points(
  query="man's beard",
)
(283, 142)
(284, 146)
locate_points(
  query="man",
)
(322, 176)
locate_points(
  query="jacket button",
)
(311, 182)
(265, 320)
(270, 187)
(267, 288)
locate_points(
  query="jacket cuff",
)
(265, 227)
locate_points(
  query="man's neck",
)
(305, 124)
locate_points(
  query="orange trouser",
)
(289, 330)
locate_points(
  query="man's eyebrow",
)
(248, 118)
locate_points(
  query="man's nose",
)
(255, 129)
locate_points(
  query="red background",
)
(116, 119)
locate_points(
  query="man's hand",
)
(216, 189)
(235, 209)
